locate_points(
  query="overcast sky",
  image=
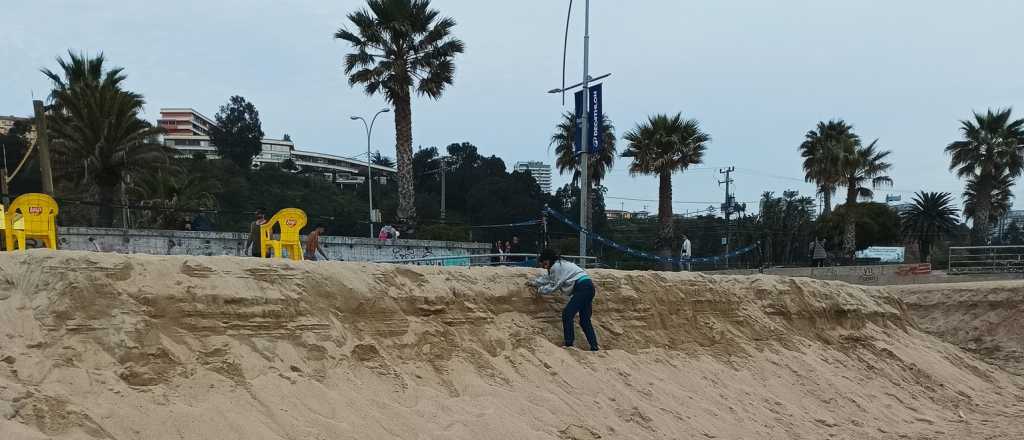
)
(757, 74)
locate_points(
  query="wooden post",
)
(5, 188)
(43, 140)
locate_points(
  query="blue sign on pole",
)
(594, 126)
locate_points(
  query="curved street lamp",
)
(369, 159)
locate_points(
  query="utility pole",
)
(585, 135)
(442, 189)
(43, 139)
(583, 122)
(727, 207)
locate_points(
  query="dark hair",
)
(549, 254)
(320, 225)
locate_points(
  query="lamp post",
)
(582, 119)
(369, 159)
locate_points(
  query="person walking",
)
(313, 244)
(565, 277)
(254, 244)
(818, 252)
(685, 252)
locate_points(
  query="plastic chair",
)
(290, 221)
(38, 217)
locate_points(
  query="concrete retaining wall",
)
(164, 242)
(882, 275)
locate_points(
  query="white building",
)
(187, 131)
(540, 171)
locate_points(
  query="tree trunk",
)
(665, 229)
(403, 155)
(924, 247)
(827, 195)
(106, 211)
(980, 229)
(850, 228)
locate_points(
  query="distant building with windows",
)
(615, 214)
(184, 121)
(188, 132)
(540, 171)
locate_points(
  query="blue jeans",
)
(581, 302)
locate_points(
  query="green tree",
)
(97, 133)
(400, 46)
(661, 146)
(877, 224)
(168, 192)
(1000, 196)
(597, 165)
(381, 160)
(1013, 235)
(824, 151)
(863, 171)
(238, 134)
(989, 151)
(931, 216)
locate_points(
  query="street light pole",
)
(584, 122)
(585, 144)
(369, 160)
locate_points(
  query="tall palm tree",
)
(98, 135)
(168, 192)
(930, 217)
(568, 161)
(661, 146)
(398, 45)
(80, 70)
(1000, 199)
(989, 151)
(863, 172)
(824, 149)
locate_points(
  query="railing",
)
(986, 259)
(481, 260)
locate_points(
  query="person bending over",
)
(567, 278)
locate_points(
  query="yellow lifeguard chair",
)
(290, 221)
(38, 220)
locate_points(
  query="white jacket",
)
(562, 275)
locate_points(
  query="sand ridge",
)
(105, 346)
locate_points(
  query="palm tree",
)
(863, 172)
(1000, 196)
(381, 160)
(168, 192)
(568, 161)
(82, 70)
(930, 217)
(97, 134)
(661, 146)
(989, 151)
(398, 45)
(824, 149)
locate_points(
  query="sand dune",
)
(983, 318)
(103, 346)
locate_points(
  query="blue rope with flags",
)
(642, 254)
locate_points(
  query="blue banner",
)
(596, 121)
